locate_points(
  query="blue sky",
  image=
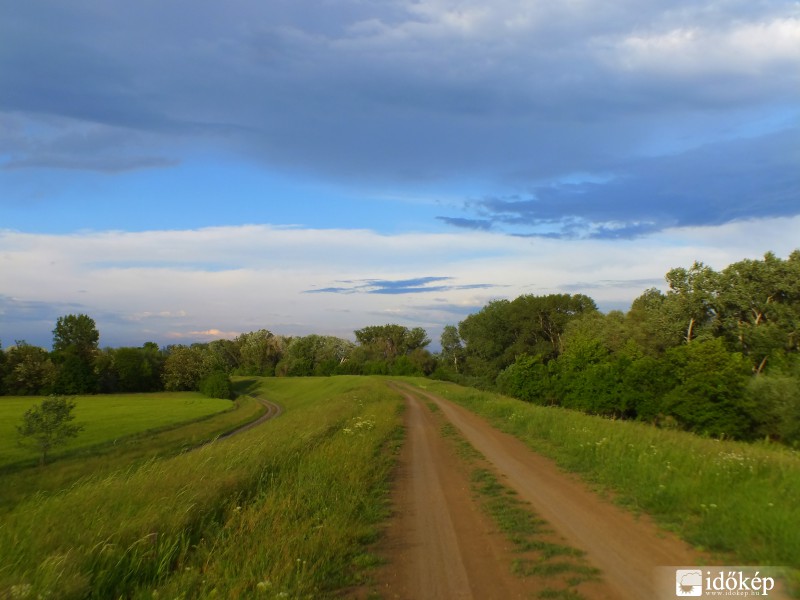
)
(185, 171)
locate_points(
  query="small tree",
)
(48, 425)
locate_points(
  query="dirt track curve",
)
(441, 544)
(273, 410)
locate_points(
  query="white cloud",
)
(746, 48)
(212, 283)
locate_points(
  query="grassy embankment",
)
(283, 510)
(119, 433)
(734, 499)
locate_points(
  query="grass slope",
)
(283, 510)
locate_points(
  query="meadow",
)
(735, 500)
(283, 510)
(105, 418)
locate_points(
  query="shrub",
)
(217, 385)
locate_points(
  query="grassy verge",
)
(283, 510)
(735, 499)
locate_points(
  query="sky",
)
(190, 170)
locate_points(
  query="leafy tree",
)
(387, 342)
(185, 367)
(694, 299)
(217, 385)
(760, 302)
(74, 375)
(710, 395)
(776, 401)
(314, 355)
(258, 352)
(29, 371)
(527, 379)
(48, 425)
(452, 349)
(138, 369)
(503, 330)
(75, 340)
(76, 333)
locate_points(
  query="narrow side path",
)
(273, 410)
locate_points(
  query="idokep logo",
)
(688, 582)
(709, 582)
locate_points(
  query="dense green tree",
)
(693, 300)
(76, 333)
(217, 384)
(760, 304)
(387, 342)
(710, 395)
(28, 370)
(527, 379)
(75, 340)
(314, 355)
(259, 352)
(488, 337)
(74, 375)
(137, 369)
(651, 324)
(186, 366)
(503, 330)
(48, 425)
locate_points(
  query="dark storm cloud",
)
(519, 95)
(711, 185)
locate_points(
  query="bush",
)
(217, 385)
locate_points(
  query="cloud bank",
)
(153, 286)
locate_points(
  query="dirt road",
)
(441, 544)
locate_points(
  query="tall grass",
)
(739, 500)
(234, 516)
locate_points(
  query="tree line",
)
(716, 354)
(76, 365)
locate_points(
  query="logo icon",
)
(688, 583)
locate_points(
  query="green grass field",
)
(736, 500)
(286, 509)
(289, 508)
(106, 418)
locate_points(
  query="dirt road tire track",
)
(273, 410)
(627, 549)
(440, 545)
